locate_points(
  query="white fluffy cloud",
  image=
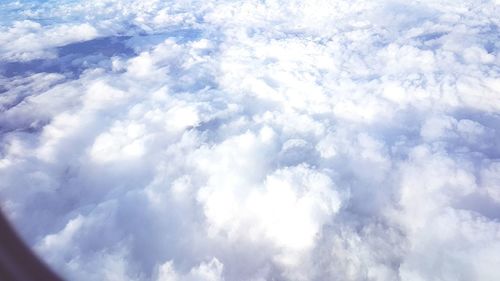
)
(28, 40)
(253, 140)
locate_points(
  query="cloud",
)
(210, 271)
(28, 40)
(253, 140)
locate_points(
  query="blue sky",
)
(253, 140)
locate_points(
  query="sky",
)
(253, 140)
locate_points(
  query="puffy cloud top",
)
(253, 140)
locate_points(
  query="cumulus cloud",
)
(253, 140)
(28, 40)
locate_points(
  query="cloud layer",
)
(253, 140)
